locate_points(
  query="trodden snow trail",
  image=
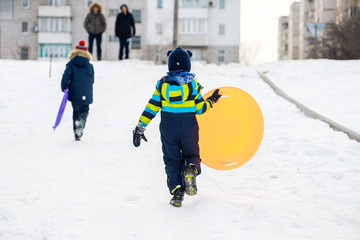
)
(302, 184)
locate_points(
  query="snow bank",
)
(302, 184)
(331, 88)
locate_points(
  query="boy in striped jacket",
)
(178, 95)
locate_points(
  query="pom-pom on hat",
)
(179, 59)
(82, 46)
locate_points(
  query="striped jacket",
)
(169, 96)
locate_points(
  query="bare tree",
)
(343, 40)
(249, 52)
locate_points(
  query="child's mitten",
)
(138, 134)
(215, 96)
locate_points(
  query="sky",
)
(259, 28)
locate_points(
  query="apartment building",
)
(325, 11)
(300, 41)
(306, 40)
(283, 38)
(38, 29)
(294, 31)
(210, 29)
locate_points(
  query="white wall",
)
(230, 16)
(164, 16)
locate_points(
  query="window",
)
(24, 53)
(135, 42)
(222, 4)
(113, 38)
(57, 2)
(311, 14)
(54, 24)
(160, 56)
(193, 3)
(114, 12)
(196, 54)
(222, 29)
(137, 15)
(54, 50)
(25, 3)
(192, 26)
(159, 4)
(24, 27)
(88, 3)
(353, 12)
(221, 56)
(159, 29)
(6, 9)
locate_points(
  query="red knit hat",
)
(82, 46)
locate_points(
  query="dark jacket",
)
(123, 24)
(95, 23)
(79, 78)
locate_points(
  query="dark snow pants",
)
(124, 43)
(98, 38)
(180, 145)
(79, 112)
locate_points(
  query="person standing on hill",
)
(124, 23)
(78, 77)
(95, 25)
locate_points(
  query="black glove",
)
(215, 96)
(138, 134)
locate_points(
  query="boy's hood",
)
(174, 92)
(80, 57)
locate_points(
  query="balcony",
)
(194, 4)
(54, 11)
(50, 37)
(192, 40)
(191, 12)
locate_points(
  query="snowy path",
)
(302, 184)
(328, 87)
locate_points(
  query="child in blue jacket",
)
(178, 95)
(79, 78)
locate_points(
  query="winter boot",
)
(79, 128)
(178, 197)
(190, 173)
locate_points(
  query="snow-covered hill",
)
(331, 88)
(304, 182)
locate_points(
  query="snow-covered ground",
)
(329, 87)
(304, 182)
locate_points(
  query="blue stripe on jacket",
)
(173, 98)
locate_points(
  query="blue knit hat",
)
(179, 59)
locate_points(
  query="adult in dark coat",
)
(95, 25)
(78, 77)
(124, 23)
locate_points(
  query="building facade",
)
(294, 31)
(38, 29)
(306, 40)
(209, 28)
(300, 41)
(283, 41)
(325, 11)
(347, 9)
